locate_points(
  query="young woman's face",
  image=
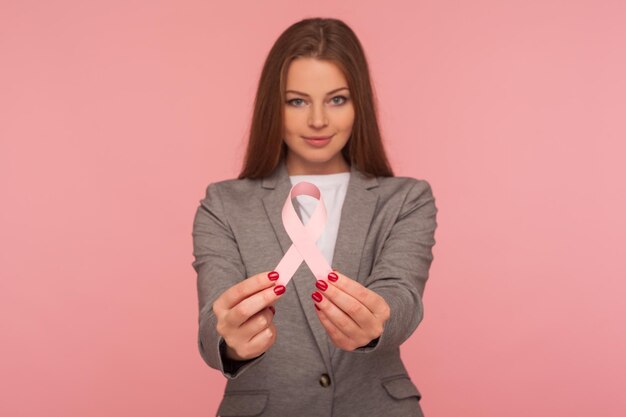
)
(317, 105)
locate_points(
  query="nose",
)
(317, 116)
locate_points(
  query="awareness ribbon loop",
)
(303, 237)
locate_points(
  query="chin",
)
(317, 159)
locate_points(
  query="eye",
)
(343, 99)
(293, 100)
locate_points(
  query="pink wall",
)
(114, 116)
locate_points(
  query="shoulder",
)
(234, 184)
(403, 185)
(232, 190)
(404, 195)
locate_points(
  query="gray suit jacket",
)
(385, 240)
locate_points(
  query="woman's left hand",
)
(352, 314)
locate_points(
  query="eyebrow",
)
(305, 94)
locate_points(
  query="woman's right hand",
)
(245, 315)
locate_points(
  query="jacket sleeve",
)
(401, 270)
(219, 266)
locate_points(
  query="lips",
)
(318, 137)
(318, 141)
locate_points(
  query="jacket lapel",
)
(356, 215)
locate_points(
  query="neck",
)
(336, 166)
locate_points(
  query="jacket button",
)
(324, 380)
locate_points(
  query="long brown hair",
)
(327, 39)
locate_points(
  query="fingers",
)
(260, 342)
(354, 322)
(339, 306)
(256, 324)
(340, 339)
(254, 347)
(344, 314)
(244, 289)
(250, 306)
(336, 315)
(245, 314)
(372, 301)
(254, 336)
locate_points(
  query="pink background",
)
(115, 115)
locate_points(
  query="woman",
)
(311, 348)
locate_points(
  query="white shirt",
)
(333, 188)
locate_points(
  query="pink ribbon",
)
(303, 237)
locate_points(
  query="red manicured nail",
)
(279, 289)
(333, 277)
(322, 285)
(273, 310)
(317, 296)
(318, 309)
(273, 276)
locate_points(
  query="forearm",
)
(219, 266)
(402, 269)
